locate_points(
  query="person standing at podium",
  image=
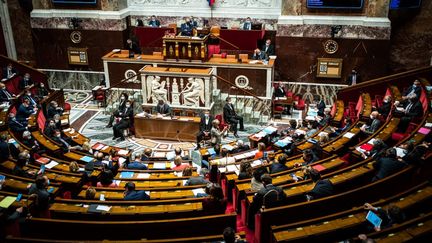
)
(268, 48)
(231, 117)
(154, 22)
(162, 109)
(132, 46)
(247, 25)
(187, 27)
(205, 127)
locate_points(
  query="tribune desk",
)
(181, 128)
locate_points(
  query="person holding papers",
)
(387, 165)
(337, 131)
(389, 216)
(131, 194)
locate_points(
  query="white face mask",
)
(58, 135)
(127, 106)
(122, 98)
(371, 117)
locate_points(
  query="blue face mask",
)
(48, 182)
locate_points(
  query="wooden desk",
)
(161, 128)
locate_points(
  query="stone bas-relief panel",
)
(199, 3)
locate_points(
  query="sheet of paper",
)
(7, 201)
(228, 147)
(231, 168)
(349, 135)
(428, 124)
(103, 208)
(143, 175)
(372, 141)
(400, 152)
(256, 163)
(51, 164)
(222, 169)
(198, 190)
(123, 152)
(159, 165)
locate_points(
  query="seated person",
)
(413, 89)
(387, 165)
(312, 128)
(54, 109)
(162, 109)
(39, 191)
(9, 72)
(240, 147)
(31, 143)
(205, 127)
(369, 130)
(147, 154)
(269, 196)
(215, 203)
(280, 91)
(24, 111)
(230, 236)
(154, 22)
(50, 128)
(124, 117)
(389, 216)
(132, 47)
(260, 153)
(247, 25)
(136, 163)
(41, 91)
(309, 157)
(259, 55)
(256, 183)
(322, 187)
(230, 116)
(245, 170)
(413, 109)
(90, 193)
(386, 106)
(187, 27)
(29, 96)
(337, 131)
(23, 160)
(378, 150)
(5, 95)
(16, 126)
(131, 194)
(280, 165)
(179, 165)
(65, 143)
(326, 119)
(26, 82)
(122, 103)
(268, 48)
(195, 180)
(106, 179)
(418, 154)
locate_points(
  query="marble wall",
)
(411, 42)
(105, 5)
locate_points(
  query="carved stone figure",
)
(193, 91)
(158, 90)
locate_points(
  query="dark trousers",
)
(119, 128)
(234, 121)
(404, 123)
(200, 136)
(112, 117)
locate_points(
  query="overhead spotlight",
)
(335, 29)
(75, 23)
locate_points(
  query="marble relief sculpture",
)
(158, 91)
(193, 91)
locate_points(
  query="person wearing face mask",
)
(54, 109)
(29, 96)
(50, 128)
(24, 111)
(26, 82)
(205, 127)
(122, 102)
(65, 143)
(231, 117)
(41, 91)
(154, 22)
(259, 55)
(16, 126)
(5, 95)
(187, 27)
(57, 121)
(268, 48)
(413, 89)
(22, 161)
(9, 72)
(39, 191)
(369, 130)
(162, 109)
(29, 141)
(124, 117)
(412, 109)
(247, 25)
(386, 106)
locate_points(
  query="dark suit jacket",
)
(276, 167)
(206, 127)
(385, 109)
(4, 151)
(17, 126)
(280, 92)
(4, 74)
(417, 91)
(136, 195)
(373, 127)
(228, 112)
(321, 106)
(270, 51)
(186, 29)
(155, 23)
(59, 142)
(272, 199)
(33, 102)
(23, 113)
(350, 79)
(133, 48)
(53, 111)
(23, 83)
(416, 110)
(322, 188)
(387, 166)
(166, 109)
(247, 26)
(126, 115)
(3, 95)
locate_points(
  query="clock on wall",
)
(331, 46)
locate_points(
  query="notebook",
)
(7, 201)
(126, 175)
(374, 219)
